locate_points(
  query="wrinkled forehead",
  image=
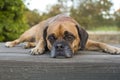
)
(60, 27)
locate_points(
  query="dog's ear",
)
(45, 33)
(83, 35)
(44, 37)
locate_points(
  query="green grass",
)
(105, 28)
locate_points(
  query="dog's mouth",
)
(61, 48)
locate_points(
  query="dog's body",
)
(62, 35)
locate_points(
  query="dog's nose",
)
(59, 46)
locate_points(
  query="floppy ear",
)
(44, 37)
(83, 35)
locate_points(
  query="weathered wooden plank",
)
(18, 53)
(58, 71)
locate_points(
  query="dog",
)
(62, 35)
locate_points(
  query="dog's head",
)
(65, 38)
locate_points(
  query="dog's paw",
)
(112, 50)
(9, 44)
(37, 51)
(29, 45)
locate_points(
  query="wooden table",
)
(17, 64)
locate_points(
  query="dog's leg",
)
(39, 49)
(26, 36)
(93, 45)
(12, 43)
(29, 45)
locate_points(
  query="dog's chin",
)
(66, 52)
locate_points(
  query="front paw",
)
(37, 51)
(112, 50)
(9, 44)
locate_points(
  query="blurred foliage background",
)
(15, 17)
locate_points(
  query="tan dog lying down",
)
(62, 35)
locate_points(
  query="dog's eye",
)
(68, 36)
(51, 38)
